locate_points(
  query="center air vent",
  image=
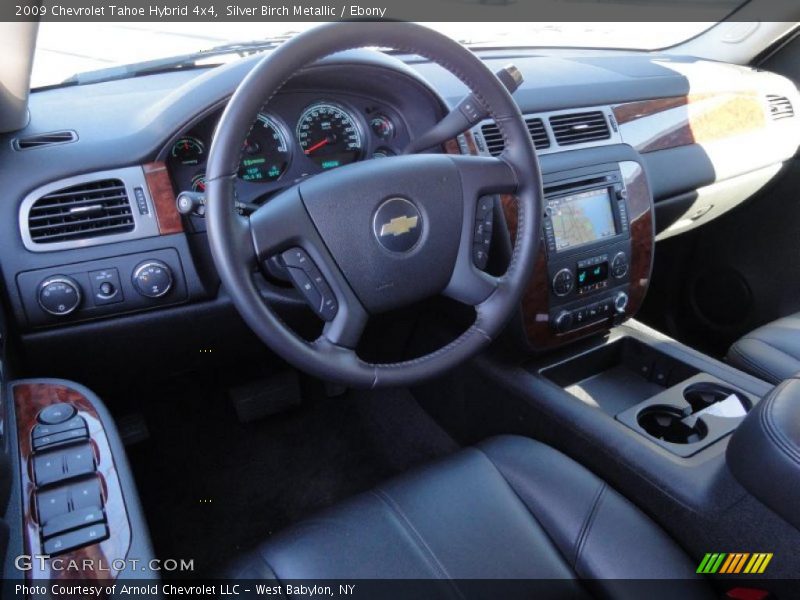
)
(88, 210)
(579, 128)
(780, 107)
(494, 140)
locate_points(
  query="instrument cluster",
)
(299, 135)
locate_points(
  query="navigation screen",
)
(582, 218)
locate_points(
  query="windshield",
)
(64, 49)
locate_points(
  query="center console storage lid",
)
(764, 452)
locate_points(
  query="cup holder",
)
(705, 394)
(666, 423)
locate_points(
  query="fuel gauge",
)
(382, 126)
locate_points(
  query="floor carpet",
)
(213, 487)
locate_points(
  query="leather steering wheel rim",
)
(239, 244)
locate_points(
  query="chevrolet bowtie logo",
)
(399, 226)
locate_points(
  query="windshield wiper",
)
(173, 63)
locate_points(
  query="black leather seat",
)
(771, 352)
(510, 508)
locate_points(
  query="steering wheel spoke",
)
(279, 224)
(483, 176)
(347, 326)
(282, 227)
(481, 179)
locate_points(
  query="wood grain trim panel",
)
(160, 186)
(665, 123)
(29, 399)
(536, 299)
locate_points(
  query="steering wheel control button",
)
(56, 413)
(563, 282)
(302, 282)
(397, 225)
(307, 278)
(152, 279)
(106, 288)
(619, 265)
(59, 295)
(484, 225)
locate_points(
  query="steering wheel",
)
(375, 235)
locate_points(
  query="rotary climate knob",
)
(59, 295)
(152, 279)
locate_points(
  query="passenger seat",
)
(771, 352)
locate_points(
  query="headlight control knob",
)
(152, 279)
(59, 295)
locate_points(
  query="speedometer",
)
(329, 135)
(265, 155)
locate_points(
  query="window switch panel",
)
(75, 539)
(73, 520)
(59, 465)
(52, 503)
(57, 439)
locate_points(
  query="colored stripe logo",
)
(734, 563)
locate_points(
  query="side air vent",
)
(494, 141)
(780, 107)
(87, 210)
(45, 139)
(580, 128)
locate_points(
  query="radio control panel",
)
(588, 247)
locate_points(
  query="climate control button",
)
(563, 282)
(59, 295)
(152, 279)
(619, 265)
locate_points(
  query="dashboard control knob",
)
(562, 321)
(619, 265)
(152, 279)
(621, 302)
(563, 282)
(59, 295)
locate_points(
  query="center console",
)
(596, 253)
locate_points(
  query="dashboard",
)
(670, 131)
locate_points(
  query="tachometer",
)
(265, 156)
(329, 135)
(188, 150)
